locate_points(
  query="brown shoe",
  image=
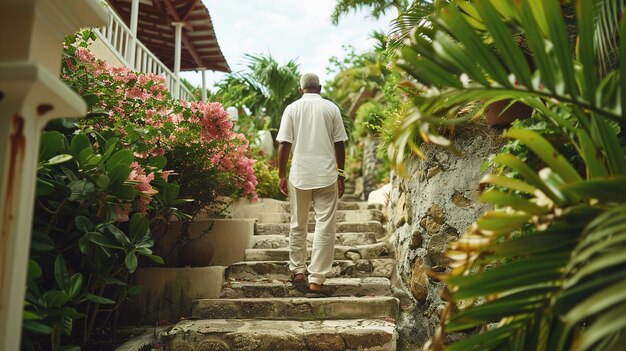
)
(317, 292)
(299, 281)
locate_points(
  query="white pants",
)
(325, 206)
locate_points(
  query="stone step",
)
(282, 241)
(345, 227)
(298, 308)
(352, 197)
(260, 335)
(341, 216)
(378, 267)
(334, 287)
(378, 250)
(341, 205)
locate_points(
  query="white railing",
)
(118, 37)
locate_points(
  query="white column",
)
(177, 48)
(203, 99)
(132, 44)
(31, 93)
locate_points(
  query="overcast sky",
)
(286, 29)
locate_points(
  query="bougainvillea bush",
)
(209, 159)
(105, 182)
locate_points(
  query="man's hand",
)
(282, 186)
(340, 187)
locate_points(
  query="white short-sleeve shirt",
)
(312, 125)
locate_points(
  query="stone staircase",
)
(259, 309)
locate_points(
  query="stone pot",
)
(495, 116)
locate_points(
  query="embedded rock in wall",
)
(427, 211)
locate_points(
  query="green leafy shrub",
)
(267, 177)
(88, 233)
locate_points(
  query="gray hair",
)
(309, 80)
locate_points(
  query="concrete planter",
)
(168, 292)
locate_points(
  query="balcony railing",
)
(117, 36)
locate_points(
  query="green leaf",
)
(55, 298)
(131, 262)
(138, 227)
(103, 181)
(509, 200)
(501, 222)
(34, 269)
(119, 235)
(607, 189)
(99, 299)
(61, 188)
(156, 259)
(41, 242)
(58, 159)
(606, 298)
(83, 245)
(109, 148)
(61, 275)
(83, 224)
(91, 100)
(124, 192)
(37, 327)
(585, 50)
(158, 162)
(79, 143)
(33, 315)
(537, 45)
(84, 156)
(119, 174)
(506, 44)
(454, 22)
(76, 284)
(542, 148)
(121, 157)
(51, 143)
(529, 175)
(43, 188)
(510, 276)
(81, 190)
(592, 156)
(101, 240)
(558, 36)
(170, 193)
(509, 183)
(611, 322)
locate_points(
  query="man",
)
(313, 129)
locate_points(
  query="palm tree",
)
(546, 269)
(265, 88)
(378, 7)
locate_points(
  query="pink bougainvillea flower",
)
(121, 212)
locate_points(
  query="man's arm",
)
(340, 155)
(283, 155)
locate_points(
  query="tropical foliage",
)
(263, 89)
(545, 270)
(196, 137)
(377, 7)
(104, 182)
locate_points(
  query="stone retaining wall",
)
(427, 210)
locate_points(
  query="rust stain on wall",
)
(16, 160)
(43, 108)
